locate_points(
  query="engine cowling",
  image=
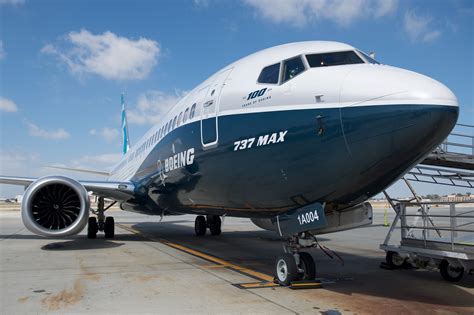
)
(55, 206)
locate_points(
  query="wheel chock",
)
(307, 284)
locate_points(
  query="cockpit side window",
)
(333, 59)
(270, 74)
(368, 58)
(292, 67)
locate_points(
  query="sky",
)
(64, 64)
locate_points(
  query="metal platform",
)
(441, 176)
(444, 239)
(428, 239)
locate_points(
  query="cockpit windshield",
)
(333, 59)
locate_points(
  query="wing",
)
(110, 189)
(80, 170)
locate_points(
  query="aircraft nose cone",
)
(386, 141)
(392, 119)
(390, 85)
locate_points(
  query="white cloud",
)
(418, 28)
(107, 55)
(15, 159)
(383, 8)
(2, 50)
(108, 134)
(201, 3)
(35, 131)
(12, 2)
(152, 105)
(7, 105)
(342, 12)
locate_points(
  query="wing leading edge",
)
(109, 189)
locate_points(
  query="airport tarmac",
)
(161, 267)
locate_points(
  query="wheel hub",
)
(282, 270)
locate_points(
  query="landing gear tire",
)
(286, 270)
(92, 228)
(215, 223)
(109, 227)
(450, 273)
(200, 225)
(308, 267)
(394, 260)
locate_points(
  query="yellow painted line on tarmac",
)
(254, 285)
(216, 260)
(214, 266)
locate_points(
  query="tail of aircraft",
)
(125, 139)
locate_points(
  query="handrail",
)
(446, 144)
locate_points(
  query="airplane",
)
(296, 137)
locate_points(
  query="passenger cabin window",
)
(333, 59)
(193, 110)
(292, 67)
(270, 74)
(174, 122)
(186, 113)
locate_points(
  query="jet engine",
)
(55, 206)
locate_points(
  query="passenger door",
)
(210, 109)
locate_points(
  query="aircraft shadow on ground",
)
(81, 244)
(359, 274)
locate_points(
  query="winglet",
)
(125, 140)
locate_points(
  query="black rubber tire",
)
(285, 269)
(109, 227)
(200, 225)
(215, 224)
(308, 265)
(394, 260)
(445, 269)
(92, 228)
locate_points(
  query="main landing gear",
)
(101, 222)
(294, 265)
(213, 222)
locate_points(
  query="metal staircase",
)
(451, 163)
(457, 151)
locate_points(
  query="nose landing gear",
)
(295, 265)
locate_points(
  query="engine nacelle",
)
(55, 206)
(338, 220)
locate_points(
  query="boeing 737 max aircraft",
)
(296, 137)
